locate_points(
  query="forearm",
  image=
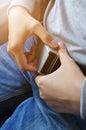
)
(3, 29)
(3, 22)
(35, 7)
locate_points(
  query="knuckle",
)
(42, 95)
(40, 83)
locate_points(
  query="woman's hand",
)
(21, 26)
(61, 89)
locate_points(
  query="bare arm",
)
(36, 8)
(3, 21)
(24, 21)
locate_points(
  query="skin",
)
(63, 94)
(3, 24)
(19, 33)
(61, 89)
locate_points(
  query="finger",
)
(33, 66)
(63, 53)
(33, 63)
(30, 57)
(30, 65)
(33, 50)
(24, 64)
(37, 80)
(21, 59)
(40, 31)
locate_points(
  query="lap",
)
(32, 114)
(12, 80)
(29, 116)
(14, 87)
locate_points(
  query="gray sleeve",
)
(83, 101)
(27, 4)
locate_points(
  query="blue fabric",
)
(33, 113)
(12, 82)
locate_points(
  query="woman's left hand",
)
(61, 89)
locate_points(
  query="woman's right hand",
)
(21, 26)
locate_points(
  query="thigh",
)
(29, 117)
(12, 81)
(34, 114)
(14, 86)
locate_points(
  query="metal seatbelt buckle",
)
(48, 60)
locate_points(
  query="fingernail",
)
(62, 45)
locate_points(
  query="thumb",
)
(41, 32)
(63, 53)
(38, 80)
